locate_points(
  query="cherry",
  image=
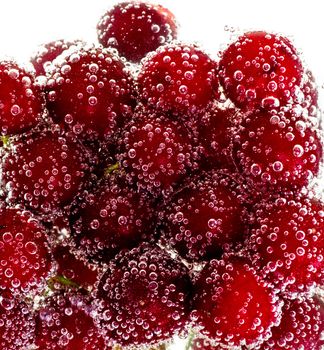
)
(301, 327)
(135, 28)
(16, 324)
(204, 218)
(90, 92)
(156, 152)
(64, 322)
(232, 305)
(178, 78)
(143, 297)
(110, 218)
(21, 101)
(286, 241)
(47, 53)
(25, 260)
(277, 150)
(45, 171)
(260, 69)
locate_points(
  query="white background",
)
(24, 24)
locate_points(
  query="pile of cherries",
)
(150, 191)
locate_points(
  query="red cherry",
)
(64, 322)
(44, 171)
(144, 295)
(178, 78)
(25, 257)
(16, 324)
(205, 218)
(277, 151)
(233, 306)
(260, 70)
(73, 268)
(135, 28)
(21, 101)
(110, 218)
(46, 54)
(156, 152)
(301, 327)
(287, 242)
(90, 92)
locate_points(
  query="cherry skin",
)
(232, 305)
(204, 218)
(135, 28)
(112, 217)
(260, 70)
(277, 151)
(45, 171)
(90, 92)
(64, 322)
(17, 325)
(301, 327)
(180, 79)
(21, 101)
(147, 292)
(47, 53)
(25, 256)
(156, 152)
(286, 241)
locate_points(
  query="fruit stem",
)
(111, 169)
(63, 281)
(5, 140)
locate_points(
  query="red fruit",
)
(47, 53)
(21, 102)
(16, 324)
(25, 260)
(215, 132)
(110, 218)
(205, 218)
(144, 297)
(260, 70)
(156, 152)
(44, 172)
(233, 306)
(178, 78)
(287, 242)
(277, 151)
(64, 322)
(90, 92)
(74, 269)
(135, 28)
(301, 327)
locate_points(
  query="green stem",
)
(111, 169)
(63, 281)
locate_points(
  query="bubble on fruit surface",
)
(178, 89)
(156, 152)
(17, 325)
(253, 311)
(46, 172)
(203, 219)
(290, 261)
(65, 321)
(146, 270)
(25, 259)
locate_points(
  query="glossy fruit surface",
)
(135, 28)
